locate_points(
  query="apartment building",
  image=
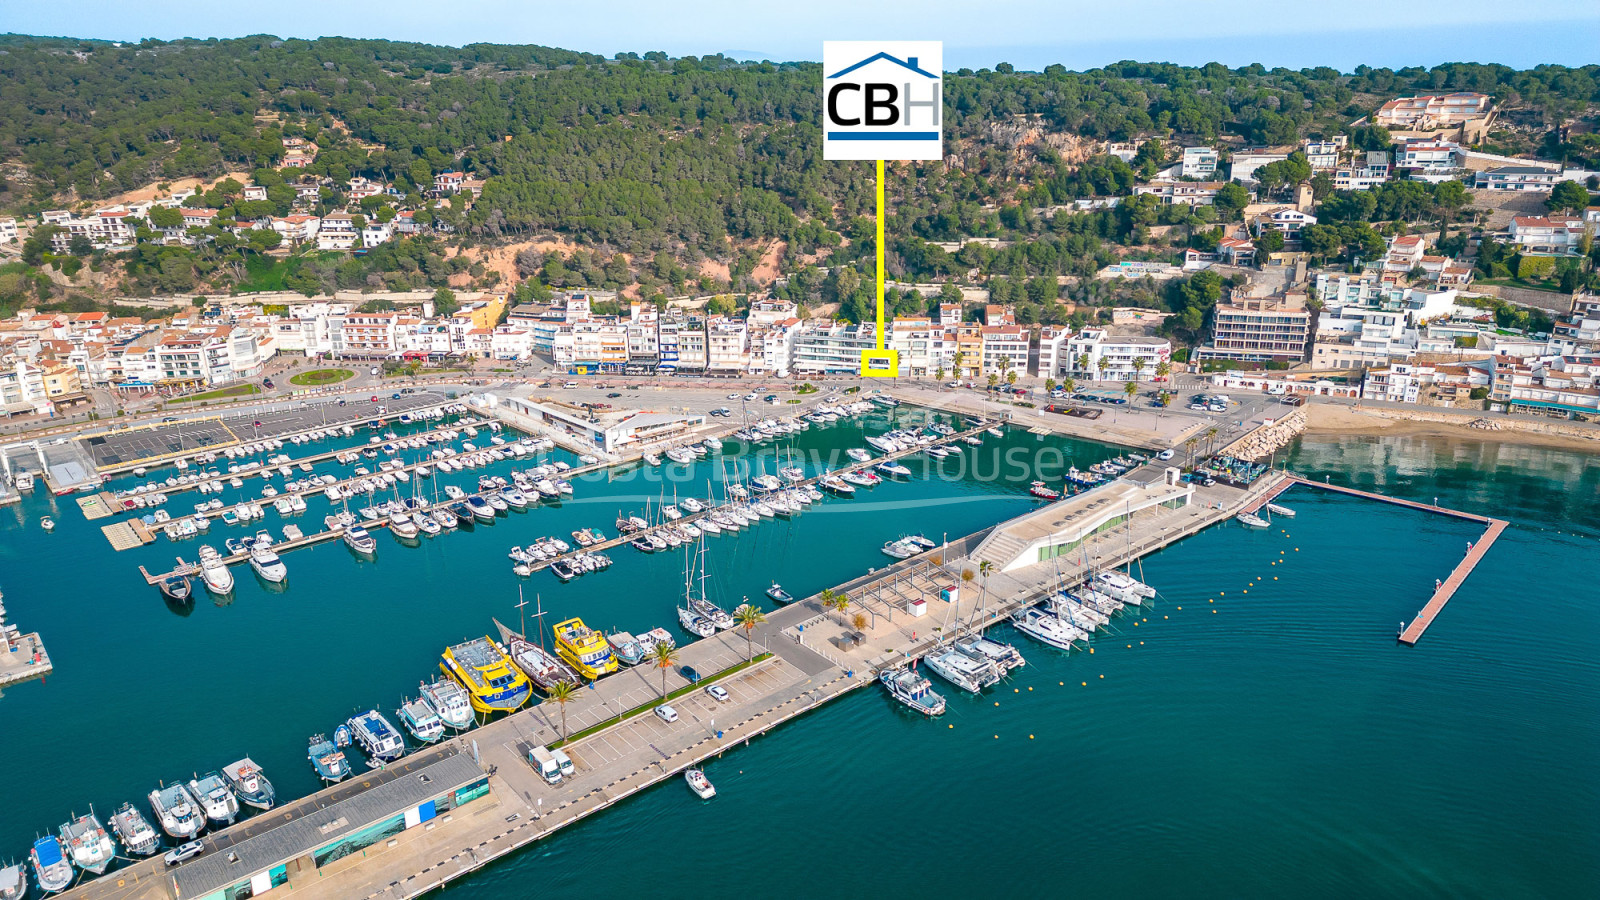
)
(1094, 354)
(1429, 160)
(1547, 235)
(833, 348)
(1323, 156)
(367, 334)
(1260, 329)
(1371, 171)
(1433, 111)
(1188, 193)
(727, 346)
(1517, 178)
(1199, 163)
(1285, 220)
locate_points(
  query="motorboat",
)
(493, 681)
(1251, 520)
(401, 526)
(653, 459)
(699, 784)
(47, 523)
(377, 737)
(268, 565)
(681, 455)
(1046, 628)
(913, 690)
(218, 801)
(861, 479)
(1003, 657)
(326, 758)
(496, 502)
(901, 548)
(961, 670)
(778, 595)
(177, 811)
(50, 867)
(449, 702)
(88, 845)
(135, 831)
(892, 468)
(419, 718)
(833, 484)
(481, 510)
(1279, 510)
(691, 506)
(626, 648)
(358, 540)
(175, 587)
(858, 454)
(13, 882)
(514, 498)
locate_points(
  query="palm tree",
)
(1011, 378)
(1049, 384)
(664, 656)
(993, 379)
(1104, 364)
(938, 374)
(956, 360)
(559, 694)
(984, 568)
(749, 616)
(1069, 384)
(1083, 362)
(1130, 389)
(841, 603)
(1211, 434)
(1138, 367)
(1163, 369)
(826, 597)
(1192, 443)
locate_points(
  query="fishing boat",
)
(656, 637)
(419, 718)
(913, 690)
(88, 845)
(1046, 628)
(1003, 656)
(963, 671)
(626, 648)
(13, 882)
(327, 760)
(1279, 510)
(248, 784)
(175, 587)
(449, 702)
(1043, 492)
(778, 594)
(584, 649)
(1251, 520)
(50, 867)
(493, 682)
(177, 811)
(219, 803)
(268, 565)
(699, 784)
(377, 737)
(135, 831)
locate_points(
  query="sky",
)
(1029, 34)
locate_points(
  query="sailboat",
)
(696, 615)
(543, 667)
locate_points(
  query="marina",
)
(815, 654)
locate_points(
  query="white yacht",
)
(177, 811)
(215, 573)
(700, 784)
(268, 565)
(1251, 520)
(401, 526)
(359, 540)
(221, 806)
(1122, 587)
(1046, 628)
(962, 670)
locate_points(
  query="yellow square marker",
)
(879, 364)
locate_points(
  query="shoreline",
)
(1325, 419)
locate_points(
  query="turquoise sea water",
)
(1275, 742)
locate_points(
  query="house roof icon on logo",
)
(908, 63)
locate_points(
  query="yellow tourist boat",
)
(584, 649)
(493, 683)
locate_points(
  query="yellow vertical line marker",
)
(880, 255)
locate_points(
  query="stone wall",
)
(1267, 439)
(1489, 423)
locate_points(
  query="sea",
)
(1254, 732)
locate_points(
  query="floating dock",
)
(1413, 632)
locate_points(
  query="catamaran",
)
(1003, 656)
(913, 690)
(89, 846)
(961, 670)
(1122, 587)
(1046, 628)
(449, 702)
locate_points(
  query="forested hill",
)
(640, 152)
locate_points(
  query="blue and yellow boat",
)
(493, 683)
(585, 649)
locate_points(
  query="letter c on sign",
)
(833, 104)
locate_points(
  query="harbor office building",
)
(312, 837)
(1059, 528)
(610, 431)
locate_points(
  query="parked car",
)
(731, 397)
(666, 713)
(182, 852)
(689, 673)
(1166, 454)
(614, 394)
(718, 693)
(751, 396)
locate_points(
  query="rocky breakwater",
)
(1268, 438)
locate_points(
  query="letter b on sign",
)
(882, 100)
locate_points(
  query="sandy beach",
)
(1335, 419)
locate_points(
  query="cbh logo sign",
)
(882, 99)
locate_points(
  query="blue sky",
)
(1027, 33)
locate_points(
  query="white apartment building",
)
(22, 389)
(1429, 160)
(832, 348)
(1547, 235)
(727, 346)
(1396, 383)
(1062, 353)
(1005, 349)
(1323, 156)
(1517, 178)
(367, 334)
(1371, 171)
(1189, 193)
(337, 231)
(772, 347)
(8, 230)
(1199, 162)
(512, 343)
(1248, 160)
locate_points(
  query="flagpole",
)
(880, 255)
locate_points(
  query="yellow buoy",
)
(1141, 643)
(997, 703)
(952, 726)
(1062, 683)
(1211, 601)
(1166, 617)
(1213, 612)
(1030, 687)
(1274, 578)
(1086, 684)
(1016, 690)
(1102, 676)
(1030, 737)
(1130, 646)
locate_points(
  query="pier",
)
(22, 658)
(1413, 632)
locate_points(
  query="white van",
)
(544, 762)
(564, 761)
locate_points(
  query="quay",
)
(22, 658)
